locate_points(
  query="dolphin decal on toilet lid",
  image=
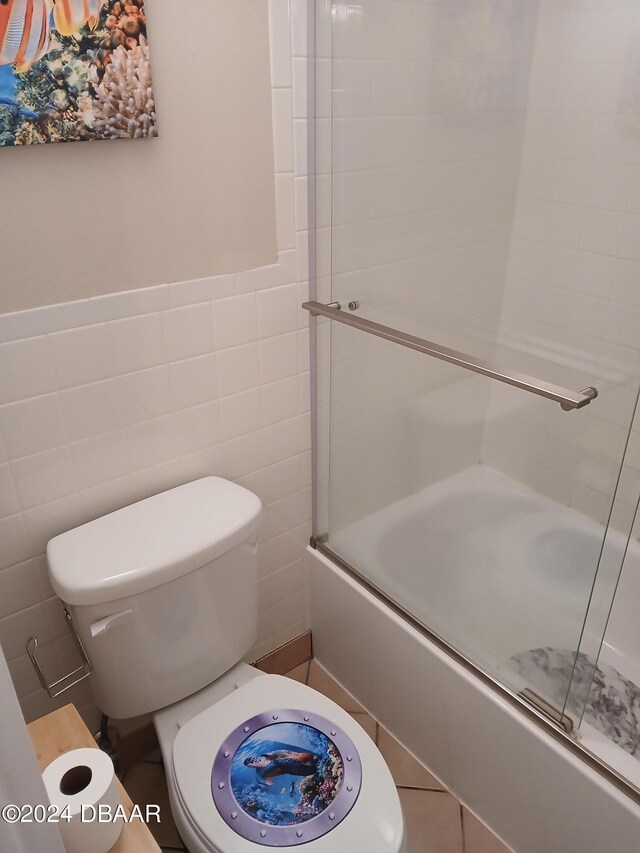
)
(285, 777)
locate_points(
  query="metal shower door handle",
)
(567, 399)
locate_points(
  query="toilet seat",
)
(367, 817)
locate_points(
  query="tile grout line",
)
(462, 834)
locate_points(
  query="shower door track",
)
(520, 702)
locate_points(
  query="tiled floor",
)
(436, 821)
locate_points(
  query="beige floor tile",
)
(404, 767)
(432, 821)
(299, 673)
(479, 839)
(146, 783)
(321, 681)
(368, 724)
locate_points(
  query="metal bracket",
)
(590, 393)
(85, 668)
(548, 710)
(352, 305)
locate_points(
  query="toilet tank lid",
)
(151, 542)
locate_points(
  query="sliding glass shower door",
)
(478, 246)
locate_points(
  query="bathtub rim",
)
(546, 724)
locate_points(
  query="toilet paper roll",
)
(78, 783)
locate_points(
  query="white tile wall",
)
(479, 185)
(108, 400)
(570, 311)
(421, 117)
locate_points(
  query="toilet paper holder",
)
(79, 674)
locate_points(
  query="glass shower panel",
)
(478, 186)
(428, 113)
(496, 568)
(604, 692)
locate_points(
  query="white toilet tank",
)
(163, 593)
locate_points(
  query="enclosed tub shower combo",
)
(475, 253)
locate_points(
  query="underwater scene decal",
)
(286, 773)
(73, 71)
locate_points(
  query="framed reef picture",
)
(73, 71)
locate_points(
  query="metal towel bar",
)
(567, 399)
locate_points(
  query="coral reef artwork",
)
(74, 71)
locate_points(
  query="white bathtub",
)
(493, 566)
(495, 569)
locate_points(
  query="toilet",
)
(163, 595)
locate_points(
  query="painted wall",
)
(107, 400)
(83, 220)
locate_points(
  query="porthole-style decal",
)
(285, 777)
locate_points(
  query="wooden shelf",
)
(63, 730)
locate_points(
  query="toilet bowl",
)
(163, 594)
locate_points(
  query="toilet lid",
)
(286, 777)
(276, 764)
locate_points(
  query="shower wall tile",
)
(424, 150)
(498, 219)
(106, 401)
(570, 313)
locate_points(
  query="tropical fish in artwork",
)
(70, 15)
(283, 761)
(25, 32)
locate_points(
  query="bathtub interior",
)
(505, 575)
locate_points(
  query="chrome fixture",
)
(558, 717)
(568, 399)
(85, 668)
